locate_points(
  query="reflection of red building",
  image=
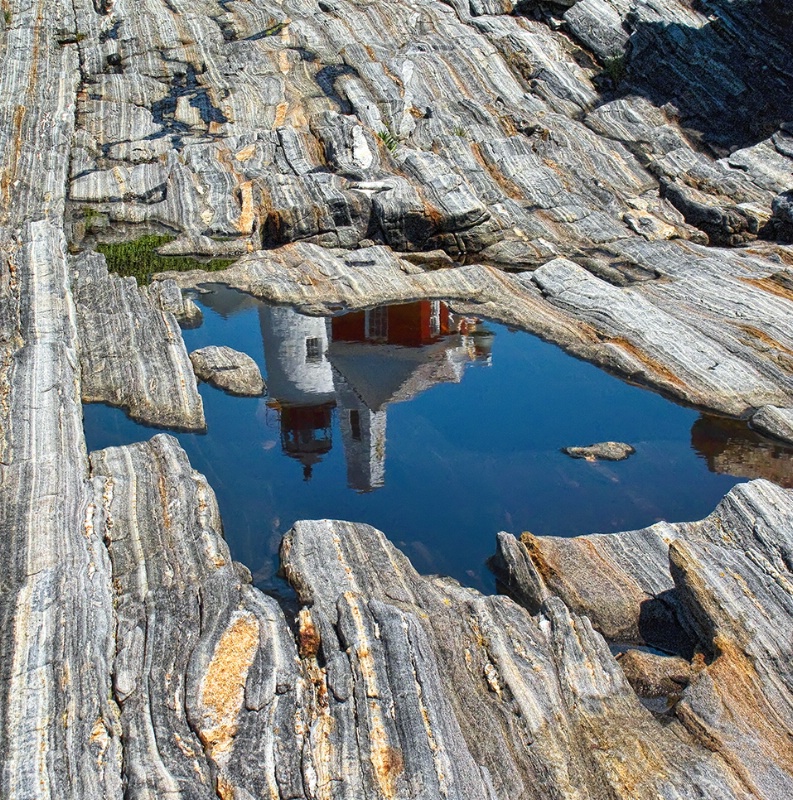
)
(408, 324)
(359, 363)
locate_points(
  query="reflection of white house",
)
(358, 363)
(299, 382)
(294, 349)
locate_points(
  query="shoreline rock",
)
(137, 659)
(228, 369)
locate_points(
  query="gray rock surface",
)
(137, 661)
(717, 574)
(170, 298)
(213, 699)
(228, 369)
(602, 451)
(131, 350)
(773, 421)
(503, 673)
(59, 731)
(714, 331)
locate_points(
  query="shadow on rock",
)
(731, 80)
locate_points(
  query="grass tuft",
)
(140, 260)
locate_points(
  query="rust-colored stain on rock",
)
(223, 689)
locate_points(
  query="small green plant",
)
(274, 30)
(460, 131)
(7, 17)
(387, 138)
(90, 216)
(616, 68)
(141, 260)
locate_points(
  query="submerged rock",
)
(602, 451)
(228, 369)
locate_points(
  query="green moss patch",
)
(140, 259)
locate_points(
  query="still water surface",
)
(438, 430)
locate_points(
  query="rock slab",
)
(228, 369)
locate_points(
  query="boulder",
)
(229, 370)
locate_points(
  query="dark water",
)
(439, 445)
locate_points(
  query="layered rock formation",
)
(619, 150)
(395, 685)
(131, 349)
(621, 136)
(724, 583)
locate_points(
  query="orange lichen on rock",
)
(223, 688)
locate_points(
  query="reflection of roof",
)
(382, 374)
(225, 300)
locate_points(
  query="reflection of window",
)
(377, 323)
(355, 425)
(435, 318)
(314, 349)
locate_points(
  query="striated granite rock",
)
(212, 698)
(605, 150)
(776, 422)
(131, 349)
(59, 731)
(171, 299)
(714, 332)
(504, 673)
(726, 582)
(228, 369)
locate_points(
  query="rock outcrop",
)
(626, 152)
(131, 350)
(228, 369)
(714, 332)
(725, 582)
(392, 684)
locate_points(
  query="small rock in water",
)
(603, 451)
(228, 369)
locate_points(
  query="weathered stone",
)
(228, 369)
(720, 571)
(662, 332)
(212, 696)
(606, 451)
(171, 300)
(131, 349)
(774, 421)
(652, 675)
(503, 675)
(459, 126)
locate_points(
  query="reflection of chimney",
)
(363, 436)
